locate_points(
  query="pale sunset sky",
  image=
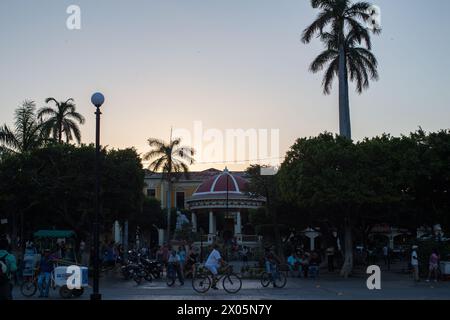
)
(232, 64)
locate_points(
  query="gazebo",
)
(224, 197)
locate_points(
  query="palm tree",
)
(342, 16)
(344, 58)
(26, 134)
(361, 63)
(63, 120)
(172, 160)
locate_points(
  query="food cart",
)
(55, 241)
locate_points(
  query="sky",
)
(231, 64)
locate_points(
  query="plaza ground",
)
(395, 286)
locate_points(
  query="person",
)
(8, 266)
(46, 268)
(271, 262)
(330, 258)
(415, 263)
(174, 265)
(165, 253)
(245, 255)
(433, 265)
(159, 254)
(213, 263)
(304, 260)
(190, 262)
(109, 255)
(314, 264)
(182, 255)
(29, 260)
(387, 256)
(294, 264)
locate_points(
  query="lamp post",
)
(97, 100)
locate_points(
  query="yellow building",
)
(182, 188)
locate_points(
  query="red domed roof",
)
(218, 184)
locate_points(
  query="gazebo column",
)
(194, 222)
(212, 227)
(238, 226)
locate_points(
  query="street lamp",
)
(97, 100)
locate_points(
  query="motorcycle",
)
(152, 268)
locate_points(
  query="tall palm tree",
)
(342, 17)
(361, 63)
(172, 160)
(61, 121)
(344, 22)
(26, 134)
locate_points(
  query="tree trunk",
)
(169, 205)
(347, 267)
(276, 228)
(276, 231)
(344, 105)
(60, 134)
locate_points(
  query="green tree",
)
(321, 173)
(171, 159)
(26, 134)
(345, 21)
(53, 187)
(432, 186)
(63, 120)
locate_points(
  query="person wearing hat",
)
(46, 268)
(415, 263)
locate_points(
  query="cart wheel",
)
(78, 292)
(65, 292)
(28, 288)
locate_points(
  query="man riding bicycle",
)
(271, 262)
(213, 263)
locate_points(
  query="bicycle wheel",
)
(78, 292)
(28, 288)
(170, 280)
(201, 283)
(65, 292)
(280, 280)
(232, 283)
(265, 279)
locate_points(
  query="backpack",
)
(4, 274)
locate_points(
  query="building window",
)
(180, 199)
(151, 193)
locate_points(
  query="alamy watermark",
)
(374, 280)
(236, 146)
(73, 21)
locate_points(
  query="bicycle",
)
(277, 278)
(29, 287)
(203, 280)
(172, 273)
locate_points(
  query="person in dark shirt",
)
(190, 262)
(272, 262)
(314, 264)
(46, 268)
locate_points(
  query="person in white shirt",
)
(174, 266)
(213, 263)
(415, 263)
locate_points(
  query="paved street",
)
(328, 287)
